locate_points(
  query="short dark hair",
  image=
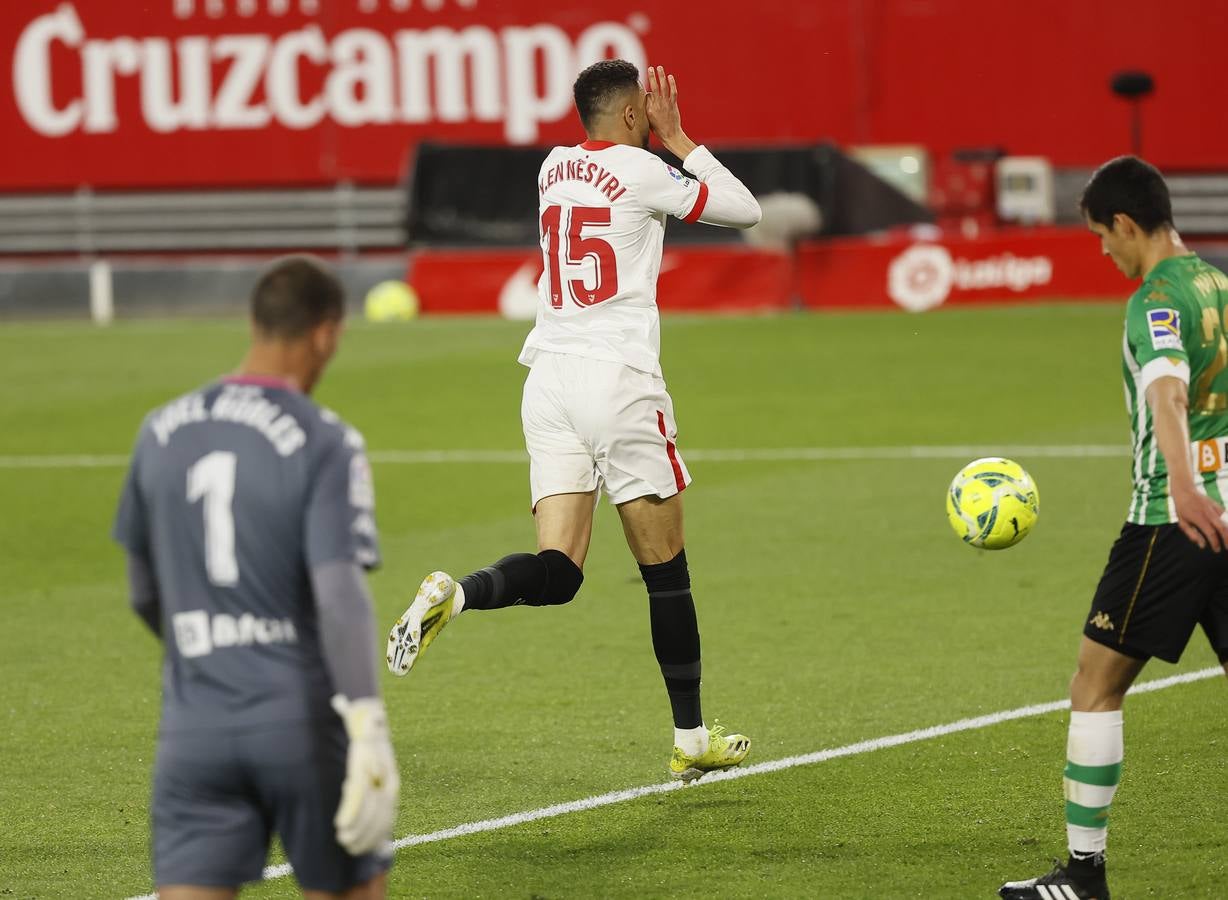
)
(1128, 185)
(295, 295)
(599, 83)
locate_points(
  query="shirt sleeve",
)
(347, 628)
(131, 527)
(143, 593)
(724, 199)
(340, 521)
(1159, 328)
(667, 190)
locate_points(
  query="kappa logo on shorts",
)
(1102, 621)
(1165, 328)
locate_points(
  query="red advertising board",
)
(923, 271)
(915, 272)
(692, 279)
(241, 92)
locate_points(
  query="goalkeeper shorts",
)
(219, 795)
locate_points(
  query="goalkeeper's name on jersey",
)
(584, 171)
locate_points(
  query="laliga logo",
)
(924, 275)
(920, 277)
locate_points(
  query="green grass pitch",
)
(836, 606)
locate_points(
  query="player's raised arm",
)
(723, 199)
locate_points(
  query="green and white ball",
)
(993, 503)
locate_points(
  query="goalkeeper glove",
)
(372, 785)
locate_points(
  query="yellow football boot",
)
(432, 609)
(724, 751)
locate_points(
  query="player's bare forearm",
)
(1200, 517)
(1170, 413)
(680, 145)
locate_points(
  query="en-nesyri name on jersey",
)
(603, 209)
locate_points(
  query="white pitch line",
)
(773, 765)
(63, 462)
(749, 454)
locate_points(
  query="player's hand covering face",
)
(372, 785)
(661, 104)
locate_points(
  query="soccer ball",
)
(993, 503)
(391, 301)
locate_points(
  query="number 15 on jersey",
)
(562, 229)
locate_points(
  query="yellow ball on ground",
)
(391, 301)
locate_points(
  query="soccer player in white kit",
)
(595, 408)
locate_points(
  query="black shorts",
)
(219, 795)
(1156, 587)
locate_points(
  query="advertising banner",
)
(187, 93)
(692, 279)
(921, 273)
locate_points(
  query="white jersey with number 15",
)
(602, 210)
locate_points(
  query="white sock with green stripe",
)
(1094, 750)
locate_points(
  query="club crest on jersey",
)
(677, 176)
(1165, 326)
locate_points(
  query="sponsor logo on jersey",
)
(199, 634)
(1165, 327)
(1209, 456)
(677, 176)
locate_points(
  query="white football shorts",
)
(588, 423)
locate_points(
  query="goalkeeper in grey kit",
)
(248, 520)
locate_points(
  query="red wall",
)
(1031, 77)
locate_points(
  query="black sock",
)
(548, 578)
(1088, 869)
(675, 636)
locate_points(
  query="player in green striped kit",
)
(1175, 326)
(1168, 570)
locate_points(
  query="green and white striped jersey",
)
(1175, 325)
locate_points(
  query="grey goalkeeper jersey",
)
(235, 493)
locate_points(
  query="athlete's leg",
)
(1095, 748)
(375, 889)
(550, 577)
(653, 528)
(654, 533)
(194, 892)
(1102, 678)
(565, 523)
